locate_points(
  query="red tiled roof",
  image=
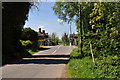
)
(75, 36)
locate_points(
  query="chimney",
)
(43, 31)
(39, 30)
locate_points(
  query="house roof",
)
(42, 34)
(75, 36)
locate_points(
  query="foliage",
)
(105, 67)
(64, 10)
(76, 12)
(32, 51)
(65, 39)
(54, 39)
(81, 68)
(74, 53)
(103, 34)
(26, 43)
(98, 26)
(28, 35)
(14, 15)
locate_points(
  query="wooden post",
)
(92, 53)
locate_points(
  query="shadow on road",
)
(41, 49)
(44, 59)
(49, 56)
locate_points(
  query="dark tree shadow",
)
(49, 56)
(43, 59)
(41, 49)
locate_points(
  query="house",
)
(75, 37)
(42, 37)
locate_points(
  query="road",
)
(49, 63)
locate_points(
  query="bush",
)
(14, 15)
(75, 53)
(81, 68)
(27, 43)
(32, 51)
(28, 35)
(107, 67)
(104, 67)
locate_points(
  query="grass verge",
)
(105, 67)
(32, 51)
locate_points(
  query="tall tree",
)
(74, 11)
(65, 39)
(104, 21)
(54, 39)
(30, 34)
(14, 15)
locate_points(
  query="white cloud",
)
(60, 20)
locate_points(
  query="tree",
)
(54, 39)
(14, 15)
(104, 18)
(75, 11)
(94, 20)
(65, 39)
(30, 34)
(98, 25)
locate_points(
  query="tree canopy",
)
(98, 26)
(29, 34)
(14, 15)
(65, 39)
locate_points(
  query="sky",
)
(43, 17)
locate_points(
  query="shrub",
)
(31, 35)
(14, 15)
(27, 43)
(75, 53)
(104, 67)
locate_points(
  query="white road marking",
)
(35, 70)
(0, 73)
(58, 47)
(56, 50)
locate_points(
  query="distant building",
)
(75, 37)
(42, 38)
(42, 35)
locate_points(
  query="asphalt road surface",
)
(48, 63)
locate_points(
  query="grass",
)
(32, 51)
(81, 68)
(105, 67)
(75, 53)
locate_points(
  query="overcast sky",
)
(45, 18)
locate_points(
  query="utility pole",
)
(70, 34)
(69, 22)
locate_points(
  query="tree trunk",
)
(80, 30)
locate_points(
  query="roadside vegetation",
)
(83, 67)
(98, 26)
(14, 15)
(29, 40)
(54, 39)
(32, 51)
(65, 39)
(17, 41)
